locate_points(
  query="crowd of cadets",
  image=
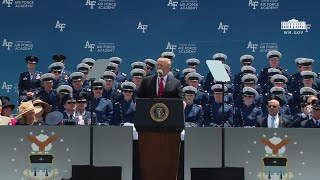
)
(246, 96)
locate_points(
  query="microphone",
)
(159, 73)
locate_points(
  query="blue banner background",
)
(116, 28)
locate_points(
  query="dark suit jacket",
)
(310, 124)
(172, 89)
(263, 122)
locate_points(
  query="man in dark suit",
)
(273, 120)
(163, 86)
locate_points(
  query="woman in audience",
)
(42, 108)
(27, 114)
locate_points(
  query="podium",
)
(159, 123)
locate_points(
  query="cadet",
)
(69, 113)
(250, 80)
(29, 81)
(62, 91)
(150, 65)
(61, 58)
(246, 61)
(171, 56)
(83, 116)
(237, 82)
(184, 74)
(84, 68)
(138, 65)
(137, 76)
(247, 113)
(213, 115)
(120, 77)
(89, 61)
(295, 81)
(274, 60)
(193, 113)
(109, 91)
(77, 84)
(201, 97)
(309, 79)
(279, 80)
(193, 63)
(124, 109)
(56, 69)
(102, 107)
(47, 93)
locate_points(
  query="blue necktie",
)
(273, 122)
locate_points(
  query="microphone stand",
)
(91, 123)
(223, 130)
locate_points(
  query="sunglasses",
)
(76, 81)
(247, 64)
(249, 96)
(81, 101)
(71, 102)
(98, 88)
(84, 72)
(269, 106)
(127, 91)
(57, 72)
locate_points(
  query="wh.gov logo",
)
(7, 2)
(91, 3)
(143, 27)
(60, 26)
(295, 26)
(172, 4)
(252, 46)
(223, 27)
(253, 4)
(7, 44)
(89, 46)
(171, 47)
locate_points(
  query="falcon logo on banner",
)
(6, 86)
(172, 4)
(275, 162)
(7, 44)
(7, 2)
(171, 47)
(89, 46)
(252, 46)
(91, 3)
(143, 27)
(254, 4)
(223, 27)
(60, 26)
